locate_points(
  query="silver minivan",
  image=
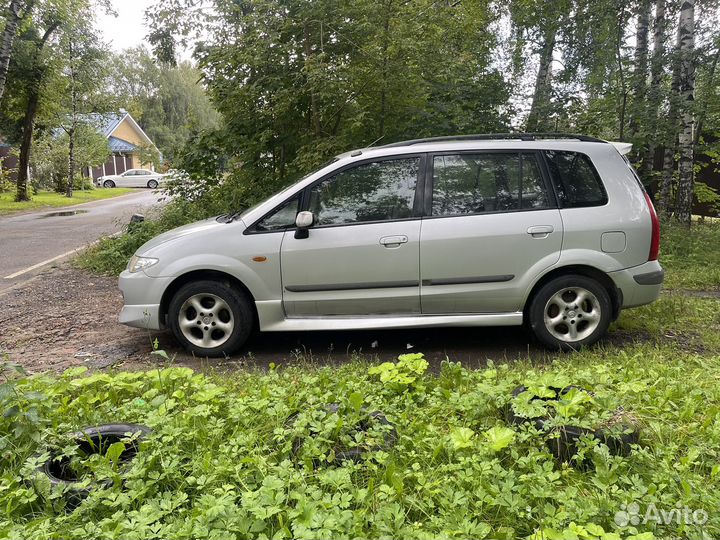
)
(554, 231)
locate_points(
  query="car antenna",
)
(375, 141)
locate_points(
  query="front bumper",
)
(640, 284)
(141, 316)
(142, 295)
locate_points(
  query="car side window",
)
(378, 191)
(576, 180)
(281, 218)
(481, 183)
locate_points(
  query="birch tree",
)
(686, 93)
(16, 12)
(640, 70)
(655, 91)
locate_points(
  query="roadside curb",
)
(45, 209)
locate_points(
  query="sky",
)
(128, 28)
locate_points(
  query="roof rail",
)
(496, 136)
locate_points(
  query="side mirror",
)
(303, 221)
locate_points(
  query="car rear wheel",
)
(152, 184)
(210, 318)
(108, 184)
(570, 312)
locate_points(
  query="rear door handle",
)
(540, 231)
(393, 241)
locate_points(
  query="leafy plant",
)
(402, 374)
(499, 437)
(222, 461)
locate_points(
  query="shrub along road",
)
(29, 240)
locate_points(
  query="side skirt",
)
(272, 319)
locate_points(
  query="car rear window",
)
(576, 180)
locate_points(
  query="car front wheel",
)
(570, 312)
(152, 184)
(210, 318)
(108, 184)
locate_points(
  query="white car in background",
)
(131, 178)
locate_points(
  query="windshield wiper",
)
(230, 216)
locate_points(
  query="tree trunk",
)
(537, 119)
(8, 36)
(670, 139)
(315, 116)
(619, 38)
(686, 176)
(25, 145)
(384, 75)
(655, 91)
(710, 83)
(73, 125)
(639, 79)
(30, 113)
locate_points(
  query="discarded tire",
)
(353, 454)
(618, 434)
(539, 423)
(564, 444)
(92, 440)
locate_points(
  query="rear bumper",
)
(639, 285)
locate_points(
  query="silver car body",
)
(132, 178)
(473, 270)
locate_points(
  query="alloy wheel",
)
(572, 314)
(206, 320)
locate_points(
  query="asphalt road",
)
(30, 242)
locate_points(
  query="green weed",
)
(222, 461)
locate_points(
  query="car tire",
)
(108, 184)
(210, 318)
(570, 312)
(152, 184)
(350, 454)
(95, 439)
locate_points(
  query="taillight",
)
(655, 239)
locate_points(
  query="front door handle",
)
(540, 231)
(393, 241)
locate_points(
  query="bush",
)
(223, 459)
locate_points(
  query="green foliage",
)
(691, 257)
(402, 374)
(705, 194)
(169, 102)
(253, 455)
(49, 160)
(297, 83)
(499, 437)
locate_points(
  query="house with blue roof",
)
(125, 139)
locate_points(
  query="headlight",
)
(140, 263)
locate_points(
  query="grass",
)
(51, 199)
(691, 257)
(252, 455)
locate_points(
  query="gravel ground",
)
(67, 317)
